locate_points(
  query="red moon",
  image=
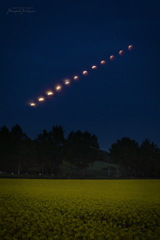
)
(130, 47)
(121, 52)
(85, 72)
(112, 57)
(103, 62)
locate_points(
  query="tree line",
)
(138, 161)
(52, 153)
(49, 153)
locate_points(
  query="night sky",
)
(59, 40)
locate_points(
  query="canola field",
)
(79, 209)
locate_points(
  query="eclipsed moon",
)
(75, 77)
(121, 52)
(32, 104)
(58, 88)
(50, 93)
(130, 47)
(41, 99)
(93, 67)
(85, 72)
(112, 57)
(103, 62)
(66, 81)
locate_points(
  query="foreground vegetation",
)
(53, 154)
(79, 209)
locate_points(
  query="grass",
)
(79, 209)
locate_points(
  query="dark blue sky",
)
(63, 38)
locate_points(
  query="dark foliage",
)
(138, 161)
(51, 154)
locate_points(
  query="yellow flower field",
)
(79, 209)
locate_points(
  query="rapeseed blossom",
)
(79, 209)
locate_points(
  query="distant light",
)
(93, 67)
(103, 62)
(41, 99)
(66, 81)
(121, 52)
(85, 72)
(112, 57)
(58, 88)
(32, 104)
(75, 77)
(50, 93)
(130, 47)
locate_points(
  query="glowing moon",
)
(85, 72)
(41, 99)
(66, 81)
(121, 52)
(112, 57)
(75, 77)
(58, 88)
(93, 67)
(50, 93)
(130, 47)
(32, 104)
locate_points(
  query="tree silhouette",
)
(149, 159)
(17, 133)
(45, 149)
(82, 149)
(18, 145)
(5, 149)
(124, 153)
(57, 134)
